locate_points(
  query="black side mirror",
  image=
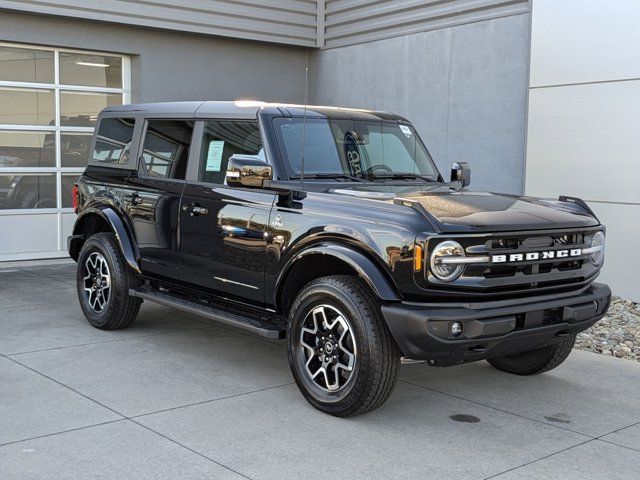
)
(248, 171)
(461, 172)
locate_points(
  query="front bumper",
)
(491, 329)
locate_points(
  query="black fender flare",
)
(371, 273)
(118, 227)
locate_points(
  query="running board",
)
(254, 325)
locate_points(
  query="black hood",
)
(452, 210)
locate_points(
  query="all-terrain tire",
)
(377, 357)
(120, 310)
(535, 361)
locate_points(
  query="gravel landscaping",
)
(617, 334)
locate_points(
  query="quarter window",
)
(113, 141)
(222, 139)
(166, 148)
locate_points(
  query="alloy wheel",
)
(97, 281)
(329, 348)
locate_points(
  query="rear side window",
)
(222, 139)
(166, 148)
(113, 142)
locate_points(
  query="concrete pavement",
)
(177, 396)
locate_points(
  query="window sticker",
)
(406, 130)
(214, 156)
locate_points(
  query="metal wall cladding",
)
(348, 22)
(292, 22)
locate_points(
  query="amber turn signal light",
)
(417, 258)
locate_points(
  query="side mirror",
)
(248, 171)
(461, 172)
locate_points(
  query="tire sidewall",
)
(96, 243)
(327, 294)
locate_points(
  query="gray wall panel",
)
(282, 21)
(355, 21)
(175, 66)
(464, 87)
(578, 41)
(583, 133)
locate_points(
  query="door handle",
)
(195, 210)
(135, 199)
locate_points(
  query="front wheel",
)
(535, 361)
(341, 352)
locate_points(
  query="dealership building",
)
(541, 97)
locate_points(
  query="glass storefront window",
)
(80, 109)
(93, 70)
(26, 65)
(27, 191)
(27, 149)
(50, 99)
(74, 149)
(27, 106)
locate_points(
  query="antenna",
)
(304, 121)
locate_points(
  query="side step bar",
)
(254, 325)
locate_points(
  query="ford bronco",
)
(334, 229)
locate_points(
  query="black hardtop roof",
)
(247, 110)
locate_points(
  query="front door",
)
(152, 196)
(222, 229)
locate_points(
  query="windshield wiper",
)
(328, 176)
(402, 176)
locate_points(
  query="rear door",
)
(152, 194)
(222, 229)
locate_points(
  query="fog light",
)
(456, 329)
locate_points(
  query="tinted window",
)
(221, 140)
(166, 148)
(113, 142)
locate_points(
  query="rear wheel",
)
(103, 280)
(341, 352)
(535, 361)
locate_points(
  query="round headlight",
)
(442, 261)
(597, 243)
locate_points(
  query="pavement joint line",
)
(618, 445)
(62, 431)
(210, 400)
(124, 417)
(541, 458)
(591, 437)
(204, 327)
(66, 386)
(617, 430)
(190, 449)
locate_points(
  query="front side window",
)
(363, 149)
(222, 139)
(113, 141)
(166, 148)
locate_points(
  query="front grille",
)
(537, 275)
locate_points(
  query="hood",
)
(450, 210)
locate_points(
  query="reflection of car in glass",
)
(333, 228)
(30, 191)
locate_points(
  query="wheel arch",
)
(104, 219)
(335, 260)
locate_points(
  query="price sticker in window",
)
(214, 156)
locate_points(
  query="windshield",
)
(359, 149)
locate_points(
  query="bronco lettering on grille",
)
(530, 256)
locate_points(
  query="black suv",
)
(331, 228)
